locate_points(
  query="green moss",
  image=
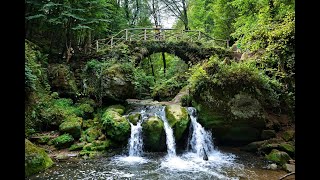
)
(36, 159)
(185, 100)
(154, 135)
(117, 108)
(134, 118)
(288, 148)
(92, 134)
(77, 146)
(43, 140)
(288, 135)
(63, 141)
(72, 126)
(178, 119)
(115, 126)
(97, 145)
(278, 157)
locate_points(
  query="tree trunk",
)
(150, 62)
(186, 22)
(164, 63)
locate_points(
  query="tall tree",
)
(178, 8)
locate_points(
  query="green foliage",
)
(63, 141)
(215, 78)
(278, 157)
(167, 89)
(186, 100)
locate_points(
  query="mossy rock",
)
(36, 159)
(116, 126)
(97, 145)
(288, 135)
(72, 126)
(134, 118)
(78, 146)
(63, 141)
(268, 134)
(62, 79)
(153, 134)
(288, 148)
(278, 157)
(117, 108)
(92, 134)
(178, 119)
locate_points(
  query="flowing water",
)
(171, 145)
(188, 164)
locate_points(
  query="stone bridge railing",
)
(158, 34)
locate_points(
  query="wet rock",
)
(178, 119)
(134, 118)
(154, 138)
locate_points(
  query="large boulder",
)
(36, 159)
(62, 79)
(72, 126)
(154, 138)
(178, 119)
(115, 126)
(241, 120)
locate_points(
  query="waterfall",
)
(135, 141)
(200, 139)
(170, 141)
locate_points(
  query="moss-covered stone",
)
(117, 108)
(268, 134)
(153, 134)
(97, 145)
(72, 126)
(288, 148)
(62, 79)
(92, 134)
(178, 119)
(43, 139)
(36, 159)
(116, 126)
(76, 147)
(134, 118)
(288, 135)
(63, 141)
(278, 157)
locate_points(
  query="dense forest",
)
(78, 88)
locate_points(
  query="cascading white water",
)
(170, 141)
(135, 141)
(201, 139)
